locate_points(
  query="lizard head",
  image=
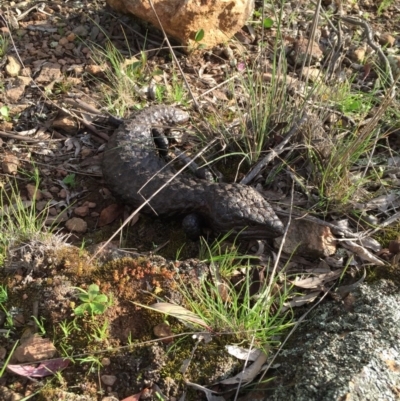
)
(242, 210)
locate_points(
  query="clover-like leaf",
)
(268, 22)
(199, 35)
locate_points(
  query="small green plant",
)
(353, 104)
(174, 92)
(225, 308)
(95, 363)
(5, 113)
(135, 70)
(4, 43)
(3, 300)
(70, 180)
(94, 302)
(160, 93)
(82, 248)
(268, 22)
(234, 310)
(331, 175)
(177, 92)
(159, 396)
(32, 175)
(62, 87)
(130, 341)
(350, 102)
(19, 220)
(198, 37)
(4, 367)
(68, 328)
(40, 325)
(127, 77)
(179, 251)
(58, 378)
(224, 254)
(384, 5)
(258, 119)
(100, 332)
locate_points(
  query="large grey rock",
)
(220, 19)
(345, 355)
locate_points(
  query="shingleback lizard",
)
(131, 161)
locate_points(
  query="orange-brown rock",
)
(181, 19)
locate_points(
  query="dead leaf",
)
(10, 164)
(185, 365)
(371, 243)
(382, 203)
(243, 353)
(110, 213)
(394, 246)
(248, 374)
(71, 143)
(164, 332)
(362, 252)
(47, 368)
(302, 300)
(317, 281)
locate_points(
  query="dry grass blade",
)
(179, 312)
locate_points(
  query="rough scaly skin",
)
(131, 162)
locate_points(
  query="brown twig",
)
(370, 40)
(24, 138)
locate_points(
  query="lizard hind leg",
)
(192, 226)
